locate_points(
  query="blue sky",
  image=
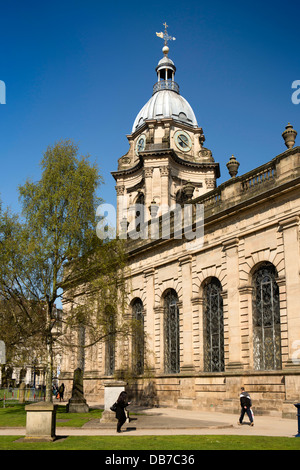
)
(82, 70)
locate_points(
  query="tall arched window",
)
(138, 343)
(110, 343)
(266, 319)
(213, 325)
(171, 332)
(139, 211)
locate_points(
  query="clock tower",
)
(167, 163)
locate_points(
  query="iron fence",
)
(30, 394)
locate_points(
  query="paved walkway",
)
(168, 421)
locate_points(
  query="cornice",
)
(167, 152)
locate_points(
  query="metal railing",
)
(166, 85)
(30, 394)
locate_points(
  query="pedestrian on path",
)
(246, 404)
(121, 403)
(61, 392)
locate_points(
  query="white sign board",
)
(2, 353)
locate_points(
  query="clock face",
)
(140, 145)
(183, 141)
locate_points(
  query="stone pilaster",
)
(290, 229)
(230, 247)
(185, 264)
(150, 317)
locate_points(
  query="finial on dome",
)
(165, 50)
(166, 38)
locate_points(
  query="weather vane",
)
(165, 35)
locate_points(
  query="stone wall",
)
(249, 220)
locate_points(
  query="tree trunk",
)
(49, 369)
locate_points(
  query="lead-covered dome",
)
(166, 102)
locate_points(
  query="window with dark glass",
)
(266, 319)
(171, 332)
(138, 344)
(110, 344)
(213, 324)
(139, 212)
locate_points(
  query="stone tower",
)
(166, 163)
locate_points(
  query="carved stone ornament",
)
(148, 172)
(120, 190)
(189, 190)
(164, 171)
(289, 136)
(233, 166)
(210, 183)
(206, 154)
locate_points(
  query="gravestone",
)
(40, 421)
(112, 390)
(77, 403)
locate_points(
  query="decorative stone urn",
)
(153, 208)
(233, 166)
(189, 190)
(289, 136)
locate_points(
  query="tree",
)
(53, 249)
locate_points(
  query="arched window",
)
(138, 343)
(171, 332)
(139, 211)
(213, 326)
(110, 343)
(266, 319)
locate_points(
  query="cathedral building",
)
(219, 306)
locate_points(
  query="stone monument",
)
(40, 421)
(112, 390)
(77, 403)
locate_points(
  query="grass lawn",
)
(14, 415)
(143, 443)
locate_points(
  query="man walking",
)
(246, 404)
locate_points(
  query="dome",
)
(166, 104)
(166, 61)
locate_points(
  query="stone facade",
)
(250, 221)
(217, 315)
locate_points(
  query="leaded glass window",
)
(213, 324)
(138, 344)
(266, 319)
(171, 332)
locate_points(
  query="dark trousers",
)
(248, 411)
(121, 421)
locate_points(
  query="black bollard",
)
(297, 405)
